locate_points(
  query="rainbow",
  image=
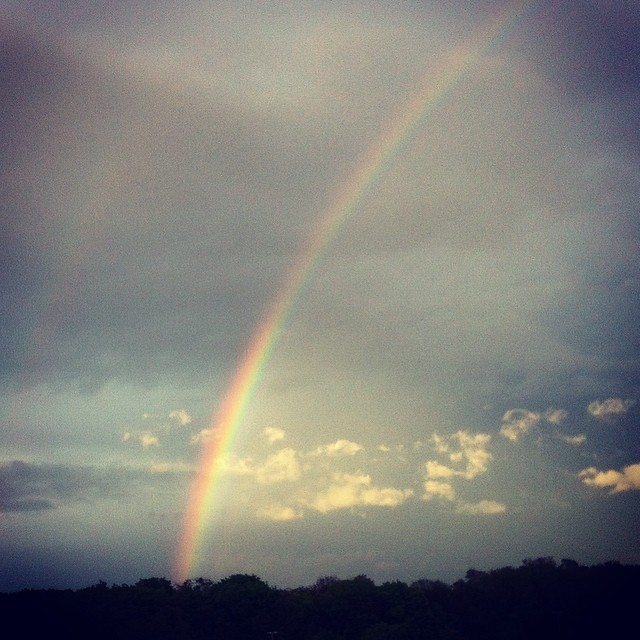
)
(373, 164)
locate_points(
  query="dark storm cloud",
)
(592, 52)
(596, 47)
(25, 486)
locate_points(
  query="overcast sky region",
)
(457, 385)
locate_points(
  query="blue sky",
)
(456, 386)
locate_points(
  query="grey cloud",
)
(188, 243)
(25, 486)
(595, 48)
(591, 50)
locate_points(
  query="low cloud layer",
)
(26, 486)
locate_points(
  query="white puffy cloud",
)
(576, 440)
(468, 457)
(239, 466)
(473, 449)
(282, 466)
(609, 407)
(463, 455)
(435, 470)
(181, 417)
(439, 443)
(619, 481)
(148, 439)
(437, 489)
(339, 448)
(273, 434)
(518, 422)
(351, 490)
(484, 507)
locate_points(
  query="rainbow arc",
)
(373, 165)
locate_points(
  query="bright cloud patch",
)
(619, 481)
(518, 422)
(484, 507)
(352, 490)
(204, 435)
(436, 470)
(279, 513)
(473, 450)
(339, 448)
(575, 440)
(436, 489)
(282, 466)
(555, 416)
(170, 467)
(273, 434)
(145, 438)
(467, 457)
(180, 416)
(609, 407)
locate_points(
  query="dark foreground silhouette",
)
(541, 599)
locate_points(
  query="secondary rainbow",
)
(373, 164)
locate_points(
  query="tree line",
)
(539, 599)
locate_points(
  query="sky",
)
(429, 210)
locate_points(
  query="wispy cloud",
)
(145, 438)
(484, 507)
(626, 480)
(279, 513)
(437, 489)
(181, 417)
(518, 422)
(282, 466)
(170, 467)
(575, 440)
(555, 416)
(609, 407)
(202, 436)
(150, 436)
(468, 457)
(273, 434)
(340, 447)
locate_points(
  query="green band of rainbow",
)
(373, 164)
